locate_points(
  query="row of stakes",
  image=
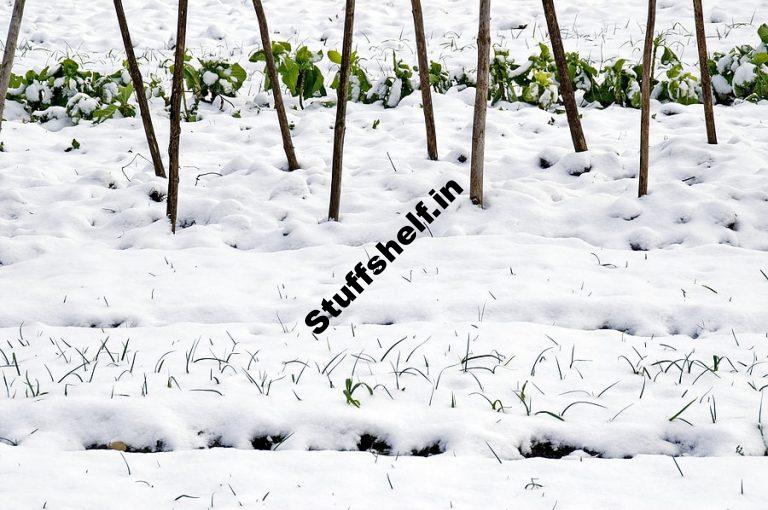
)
(480, 107)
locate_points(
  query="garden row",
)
(67, 89)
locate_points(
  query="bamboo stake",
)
(706, 80)
(645, 119)
(10, 53)
(177, 91)
(339, 129)
(481, 104)
(566, 88)
(426, 92)
(138, 85)
(285, 130)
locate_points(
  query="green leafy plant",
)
(742, 73)
(393, 88)
(620, 85)
(155, 89)
(213, 78)
(540, 86)
(503, 71)
(359, 84)
(66, 91)
(532, 82)
(298, 71)
(582, 74)
(439, 79)
(82, 106)
(680, 86)
(220, 78)
(119, 105)
(464, 79)
(280, 50)
(65, 85)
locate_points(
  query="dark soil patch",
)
(118, 446)
(371, 443)
(549, 450)
(269, 442)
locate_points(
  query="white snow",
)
(221, 478)
(567, 316)
(744, 74)
(210, 78)
(721, 85)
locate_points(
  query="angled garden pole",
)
(10, 53)
(177, 91)
(566, 88)
(645, 118)
(138, 86)
(285, 130)
(706, 80)
(339, 129)
(481, 104)
(426, 92)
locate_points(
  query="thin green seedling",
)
(349, 391)
(677, 415)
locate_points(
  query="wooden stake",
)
(138, 86)
(177, 92)
(10, 53)
(706, 80)
(566, 88)
(282, 119)
(426, 91)
(645, 119)
(481, 104)
(339, 129)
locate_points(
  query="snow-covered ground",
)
(566, 319)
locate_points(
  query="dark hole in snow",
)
(734, 225)
(217, 443)
(371, 443)
(612, 327)
(670, 112)
(549, 450)
(462, 158)
(637, 247)
(435, 448)
(683, 447)
(106, 325)
(156, 196)
(577, 171)
(545, 163)
(270, 442)
(187, 222)
(112, 185)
